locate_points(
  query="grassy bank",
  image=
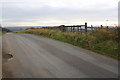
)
(0, 33)
(101, 41)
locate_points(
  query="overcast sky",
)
(58, 12)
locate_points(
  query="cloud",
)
(58, 12)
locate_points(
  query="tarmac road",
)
(39, 57)
(0, 57)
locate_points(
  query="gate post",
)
(86, 27)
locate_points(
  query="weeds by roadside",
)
(101, 41)
(0, 33)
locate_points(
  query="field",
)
(101, 41)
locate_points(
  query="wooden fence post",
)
(107, 27)
(85, 27)
(78, 28)
(101, 26)
(92, 27)
(71, 29)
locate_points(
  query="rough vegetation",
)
(102, 41)
(0, 33)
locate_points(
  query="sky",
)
(58, 12)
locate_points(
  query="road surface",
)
(0, 57)
(39, 57)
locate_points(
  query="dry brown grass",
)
(102, 41)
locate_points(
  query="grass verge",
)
(101, 41)
(0, 33)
